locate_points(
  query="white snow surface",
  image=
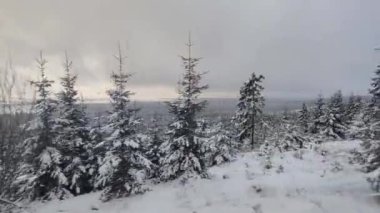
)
(313, 184)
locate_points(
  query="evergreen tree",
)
(373, 154)
(355, 117)
(358, 128)
(73, 135)
(154, 152)
(350, 110)
(183, 149)
(251, 103)
(41, 176)
(291, 139)
(98, 149)
(289, 136)
(374, 105)
(359, 104)
(318, 115)
(354, 106)
(335, 125)
(276, 128)
(221, 146)
(304, 118)
(123, 166)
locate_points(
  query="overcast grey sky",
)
(302, 47)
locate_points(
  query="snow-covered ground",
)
(311, 183)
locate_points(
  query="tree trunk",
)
(253, 131)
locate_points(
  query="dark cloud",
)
(302, 47)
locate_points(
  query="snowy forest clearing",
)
(59, 154)
(320, 179)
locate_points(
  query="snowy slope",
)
(315, 183)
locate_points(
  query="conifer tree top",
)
(250, 93)
(375, 90)
(183, 149)
(68, 93)
(120, 96)
(189, 87)
(43, 83)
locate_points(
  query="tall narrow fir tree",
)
(304, 118)
(335, 125)
(373, 155)
(250, 106)
(41, 176)
(184, 148)
(123, 166)
(73, 134)
(318, 115)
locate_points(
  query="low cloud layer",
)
(301, 47)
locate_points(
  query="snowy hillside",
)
(320, 179)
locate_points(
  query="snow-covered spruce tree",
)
(251, 103)
(374, 106)
(335, 125)
(291, 139)
(183, 150)
(373, 145)
(272, 139)
(72, 135)
(290, 136)
(221, 145)
(304, 118)
(355, 118)
(123, 166)
(275, 126)
(41, 176)
(96, 134)
(354, 106)
(153, 150)
(318, 115)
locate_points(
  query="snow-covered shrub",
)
(266, 151)
(292, 140)
(336, 166)
(280, 169)
(257, 208)
(374, 180)
(357, 157)
(267, 148)
(221, 146)
(268, 163)
(298, 154)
